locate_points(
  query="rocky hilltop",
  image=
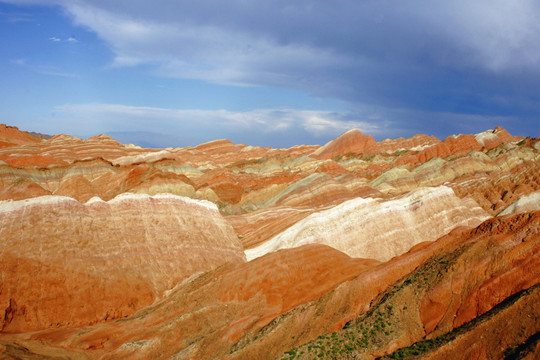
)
(357, 249)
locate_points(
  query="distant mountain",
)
(40, 135)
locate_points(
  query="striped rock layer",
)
(356, 249)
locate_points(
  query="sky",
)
(269, 72)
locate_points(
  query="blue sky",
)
(272, 73)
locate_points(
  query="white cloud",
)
(283, 43)
(252, 44)
(268, 127)
(192, 49)
(320, 125)
(70, 39)
(50, 70)
(437, 59)
(315, 46)
(317, 123)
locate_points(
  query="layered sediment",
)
(67, 263)
(356, 249)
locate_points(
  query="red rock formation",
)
(498, 335)
(234, 312)
(454, 267)
(493, 138)
(496, 190)
(376, 229)
(505, 259)
(353, 141)
(22, 189)
(256, 227)
(148, 246)
(11, 135)
(205, 316)
(452, 145)
(218, 147)
(525, 203)
(415, 143)
(64, 149)
(333, 168)
(66, 263)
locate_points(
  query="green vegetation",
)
(376, 328)
(356, 335)
(421, 347)
(291, 354)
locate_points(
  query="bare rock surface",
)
(353, 141)
(359, 249)
(67, 263)
(380, 230)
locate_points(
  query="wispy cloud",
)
(264, 127)
(70, 39)
(497, 35)
(42, 69)
(15, 17)
(198, 50)
(20, 62)
(268, 127)
(317, 123)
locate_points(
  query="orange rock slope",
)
(66, 263)
(357, 248)
(277, 302)
(11, 136)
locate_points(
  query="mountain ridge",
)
(363, 248)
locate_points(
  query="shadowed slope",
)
(469, 273)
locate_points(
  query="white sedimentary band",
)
(7, 206)
(529, 202)
(380, 229)
(486, 136)
(144, 157)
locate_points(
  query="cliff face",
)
(356, 249)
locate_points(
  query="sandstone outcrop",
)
(511, 335)
(358, 248)
(476, 269)
(452, 145)
(380, 230)
(353, 141)
(529, 202)
(493, 138)
(205, 316)
(250, 310)
(415, 143)
(67, 263)
(11, 136)
(61, 150)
